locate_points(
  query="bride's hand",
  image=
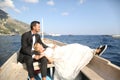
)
(37, 57)
(50, 60)
(41, 56)
(54, 45)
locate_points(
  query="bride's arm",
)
(48, 53)
(50, 59)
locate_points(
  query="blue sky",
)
(82, 17)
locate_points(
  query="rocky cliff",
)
(9, 25)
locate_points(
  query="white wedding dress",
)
(69, 60)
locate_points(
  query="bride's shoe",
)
(100, 50)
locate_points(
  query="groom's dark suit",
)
(26, 53)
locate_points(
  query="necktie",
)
(33, 34)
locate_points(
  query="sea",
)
(10, 44)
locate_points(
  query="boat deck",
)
(12, 71)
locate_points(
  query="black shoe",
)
(102, 49)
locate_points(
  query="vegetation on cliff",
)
(9, 25)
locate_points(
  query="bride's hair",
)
(36, 46)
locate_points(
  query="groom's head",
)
(35, 26)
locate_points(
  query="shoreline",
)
(11, 34)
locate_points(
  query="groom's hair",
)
(33, 23)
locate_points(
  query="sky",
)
(77, 17)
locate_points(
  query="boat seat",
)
(37, 68)
(36, 65)
(90, 74)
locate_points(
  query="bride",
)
(68, 59)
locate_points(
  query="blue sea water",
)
(10, 44)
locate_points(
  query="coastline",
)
(11, 34)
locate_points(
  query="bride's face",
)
(40, 48)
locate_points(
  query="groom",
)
(27, 53)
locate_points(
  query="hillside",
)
(9, 25)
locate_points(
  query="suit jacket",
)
(26, 45)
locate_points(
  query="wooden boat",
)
(98, 68)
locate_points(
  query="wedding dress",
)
(69, 60)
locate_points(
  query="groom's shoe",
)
(101, 50)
